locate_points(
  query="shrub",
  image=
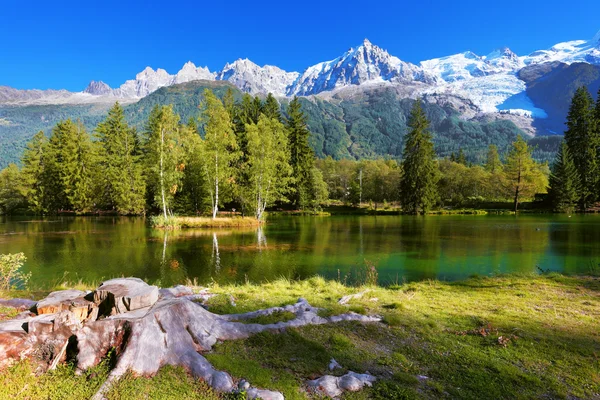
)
(11, 276)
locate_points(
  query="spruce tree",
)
(583, 139)
(461, 159)
(493, 163)
(418, 190)
(301, 154)
(271, 108)
(72, 163)
(123, 183)
(36, 186)
(564, 181)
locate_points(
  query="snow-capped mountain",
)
(251, 78)
(491, 81)
(364, 63)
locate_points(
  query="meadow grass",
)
(176, 222)
(503, 337)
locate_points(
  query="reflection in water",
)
(216, 257)
(261, 238)
(411, 248)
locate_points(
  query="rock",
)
(333, 386)
(120, 295)
(334, 364)
(254, 393)
(19, 304)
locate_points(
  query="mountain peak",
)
(596, 39)
(97, 88)
(366, 42)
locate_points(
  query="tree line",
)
(575, 178)
(245, 154)
(248, 156)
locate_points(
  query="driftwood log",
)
(146, 326)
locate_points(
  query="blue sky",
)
(65, 44)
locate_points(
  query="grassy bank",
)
(534, 336)
(203, 222)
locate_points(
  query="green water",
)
(402, 248)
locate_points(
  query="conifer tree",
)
(74, 159)
(583, 139)
(523, 176)
(493, 163)
(268, 164)
(301, 154)
(11, 192)
(418, 187)
(271, 108)
(164, 157)
(193, 194)
(461, 159)
(220, 149)
(122, 177)
(564, 181)
(36, 186)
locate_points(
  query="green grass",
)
(505, 337)
(175, 222)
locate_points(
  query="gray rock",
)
(243, 385)
(334, 364)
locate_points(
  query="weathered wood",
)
(146, 332)
(19, 304)
(58, 301)
(334, 386)
(121, 295)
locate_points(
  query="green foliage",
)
(123, 186)
(301, 154)
(564, 181)
(524, 177)
(418, 189)
(72, 160)
(583, 139)
(164, 156)
(493, 163)
(34, 175)
(268, 166)
(11, 190)
(11, 276)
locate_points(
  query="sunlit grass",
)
(176, 222)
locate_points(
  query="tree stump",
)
(145, 331)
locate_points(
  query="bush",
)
(10, 275)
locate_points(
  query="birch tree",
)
(269, 168)
(220, 149)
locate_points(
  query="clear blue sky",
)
(65, 44)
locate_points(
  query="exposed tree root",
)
(147, 331)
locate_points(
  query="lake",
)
(403, 248)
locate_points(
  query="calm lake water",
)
(402, 248)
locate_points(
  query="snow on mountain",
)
(253, 79)
(568, 52)
(190, 72)
(358, 65)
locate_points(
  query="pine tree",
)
(122, 177)
(271, 108)
(11, 192)
(583, 139)
(301, 154)
(221, 149)
(461, 159)
(73, 159)
(34, 174)
(418, 190)
(493, 163)
(191, 199)
(164, 156)
(564, 181)
(269, 170)
(523, 176)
